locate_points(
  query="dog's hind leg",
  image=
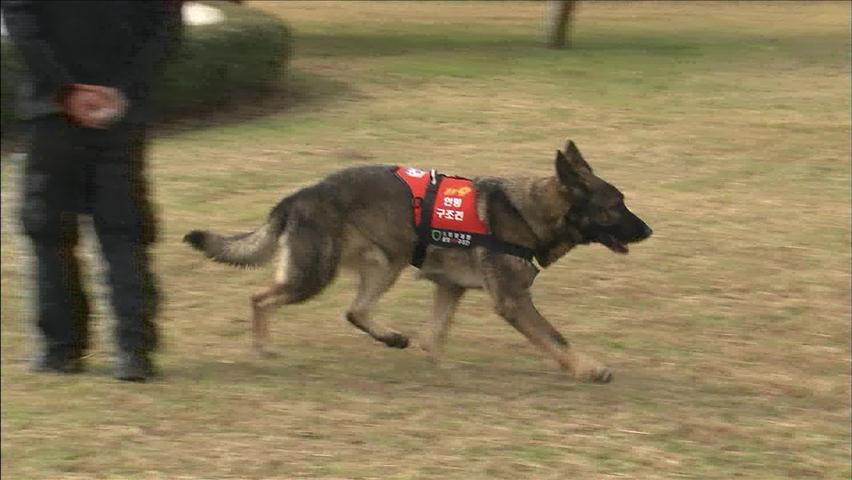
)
(445, 299)
(377, 274)
(307, 263)
(263, 304)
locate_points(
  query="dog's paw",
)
(586, 369)
(432, 353)
(396, 340)
(596, 374)
(603, 375)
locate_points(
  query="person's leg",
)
(124, 223)
(134, 302)
(62, 312)
(51, 192)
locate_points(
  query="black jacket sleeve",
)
(25, 30)
(160, 27)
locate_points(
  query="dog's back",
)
(368, 199)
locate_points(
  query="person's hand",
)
(112, 110)
(94, 106)
(80, 106)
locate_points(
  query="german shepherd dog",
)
(361, 218)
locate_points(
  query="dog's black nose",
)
(641, 232)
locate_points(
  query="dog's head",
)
(597, 210)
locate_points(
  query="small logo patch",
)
(450, 238)
(414, 172)
(459, 192)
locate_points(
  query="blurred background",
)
(727, 126)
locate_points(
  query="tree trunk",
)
(558, 15)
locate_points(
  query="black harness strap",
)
(426, 204)
(496, 245)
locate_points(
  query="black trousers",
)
(71, 171)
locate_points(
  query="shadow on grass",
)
(375, 374)
(301, 90)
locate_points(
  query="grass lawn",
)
(726, 125)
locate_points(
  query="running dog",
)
(482, 233)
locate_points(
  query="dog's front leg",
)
(444, 302)
(508, 284)
(520, 312)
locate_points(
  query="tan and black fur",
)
(361, 218)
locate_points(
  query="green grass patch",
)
(726, 125)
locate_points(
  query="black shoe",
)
(57, 362)
(133, 367)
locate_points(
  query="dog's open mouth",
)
(613, 243)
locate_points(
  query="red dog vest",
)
(445, 214)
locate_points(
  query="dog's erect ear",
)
(575, 158)
(569, 176)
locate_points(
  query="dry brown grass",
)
(727, 125)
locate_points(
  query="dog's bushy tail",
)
(246, 249)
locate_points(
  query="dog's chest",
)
(457, 267)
